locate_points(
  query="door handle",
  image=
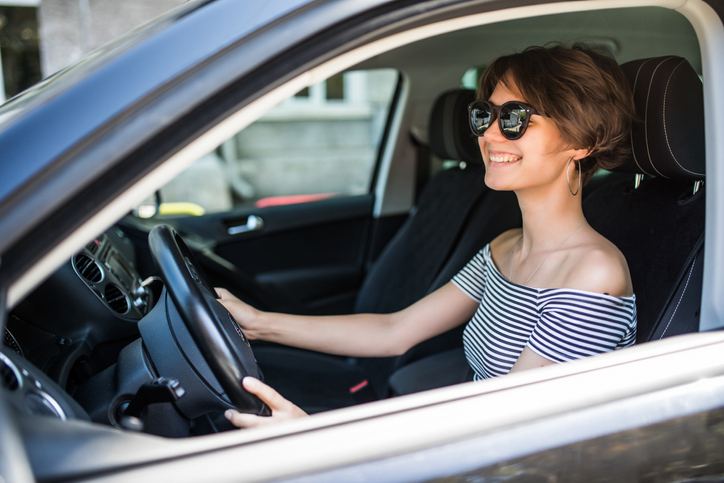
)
(253, 223)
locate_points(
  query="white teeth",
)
(504, 159)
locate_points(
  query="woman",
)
(552, 291)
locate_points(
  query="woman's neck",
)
(548, 218)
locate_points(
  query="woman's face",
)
(538, 160)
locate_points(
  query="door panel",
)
(306, 258)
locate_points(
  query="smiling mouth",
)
(503, 158)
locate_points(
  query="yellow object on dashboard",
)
(181, 208)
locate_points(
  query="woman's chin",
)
(497, 184)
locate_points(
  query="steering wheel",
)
(219, 339)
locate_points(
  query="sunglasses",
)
(513, 118)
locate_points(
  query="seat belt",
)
(681, 312)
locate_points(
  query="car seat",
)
(657, 221)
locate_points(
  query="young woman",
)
(552, 291)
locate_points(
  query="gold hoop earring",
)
(568, 179)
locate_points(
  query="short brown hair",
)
(583, 91)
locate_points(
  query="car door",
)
(282, 212)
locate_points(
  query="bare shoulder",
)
(599, 266)
(504, 242)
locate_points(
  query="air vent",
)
(116, 299)
(9, 377)
(88, 268)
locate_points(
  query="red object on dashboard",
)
(290, 199)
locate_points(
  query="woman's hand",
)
(244, 314)
(281, 409)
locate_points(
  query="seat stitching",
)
(666, 134)
(646, 124)
(691, 270)
(633, 151)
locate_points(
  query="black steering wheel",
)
(218, 337)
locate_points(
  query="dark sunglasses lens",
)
(480, 117)
(513, 120)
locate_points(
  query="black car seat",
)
(659, 225)
(455, 215)
(654, 214)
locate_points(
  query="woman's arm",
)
(358, 335)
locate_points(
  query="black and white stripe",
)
(558, 324)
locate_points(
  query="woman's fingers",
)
(228, 304)
(269, 396)
(242, 312)
(242, 420)
(226, 298)
(281, 408)
(232, 303)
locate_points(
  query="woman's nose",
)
(493, 132)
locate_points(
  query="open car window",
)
(322, 142)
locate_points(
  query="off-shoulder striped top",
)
(559, 324)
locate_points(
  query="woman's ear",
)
(578, 154)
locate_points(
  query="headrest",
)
(667, 140)
(450, 136)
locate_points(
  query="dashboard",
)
(74, 325)
(107, 266)
(97, 339)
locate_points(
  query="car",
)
(313, 157)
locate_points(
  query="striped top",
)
(560, 324)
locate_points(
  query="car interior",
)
(77, 337)
(657, 184)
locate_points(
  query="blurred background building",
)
(321, 142)
(40, 37)
(19, 47)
